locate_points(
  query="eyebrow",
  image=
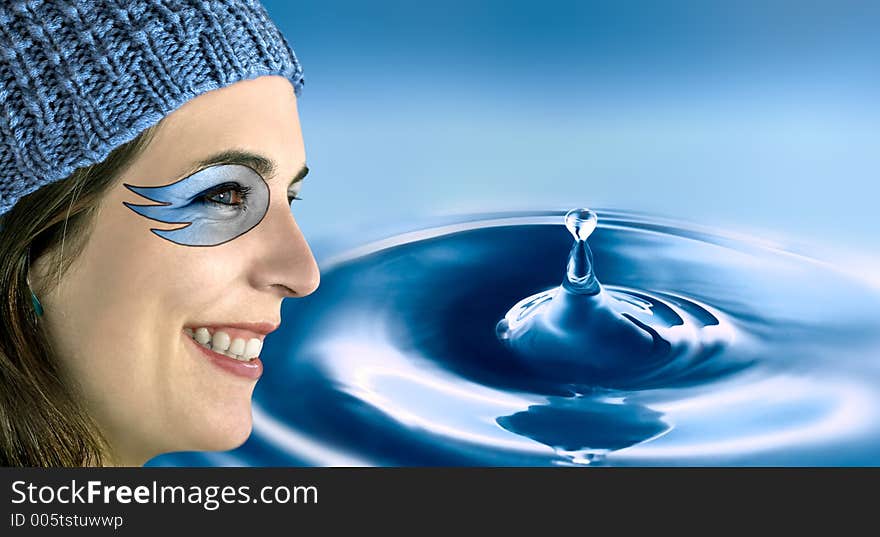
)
(264, 166)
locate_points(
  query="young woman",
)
(150, 155)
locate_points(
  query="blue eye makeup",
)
(215, 205)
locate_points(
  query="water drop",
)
(581, 223)
(579, 275)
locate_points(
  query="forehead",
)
(259, 115)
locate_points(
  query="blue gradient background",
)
(758, 117)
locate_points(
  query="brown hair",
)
(42, 422)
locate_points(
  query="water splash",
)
(580, 332)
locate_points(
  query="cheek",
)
(117, 323)
(142, 276)
(107, 320)
(122, 303)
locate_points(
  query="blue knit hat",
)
(80, 78)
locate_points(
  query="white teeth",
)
(253, 348)
(237, 357)
(220, 341)
(237, 346)
(203, 336)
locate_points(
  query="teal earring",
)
(38, 308)
(36, 302)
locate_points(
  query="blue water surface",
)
(395, 359)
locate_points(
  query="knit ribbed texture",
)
(80, 78)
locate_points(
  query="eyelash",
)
(241, 190)
(234, 187)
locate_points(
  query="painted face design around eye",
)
(199, 202)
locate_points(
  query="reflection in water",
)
(586, 428)
(772, 357)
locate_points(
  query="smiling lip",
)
(252, 369)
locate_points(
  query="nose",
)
(286, 264)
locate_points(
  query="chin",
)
(231, 441)
(221, 431)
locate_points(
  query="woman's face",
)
(210, 260)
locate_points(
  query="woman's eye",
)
(229, 196)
